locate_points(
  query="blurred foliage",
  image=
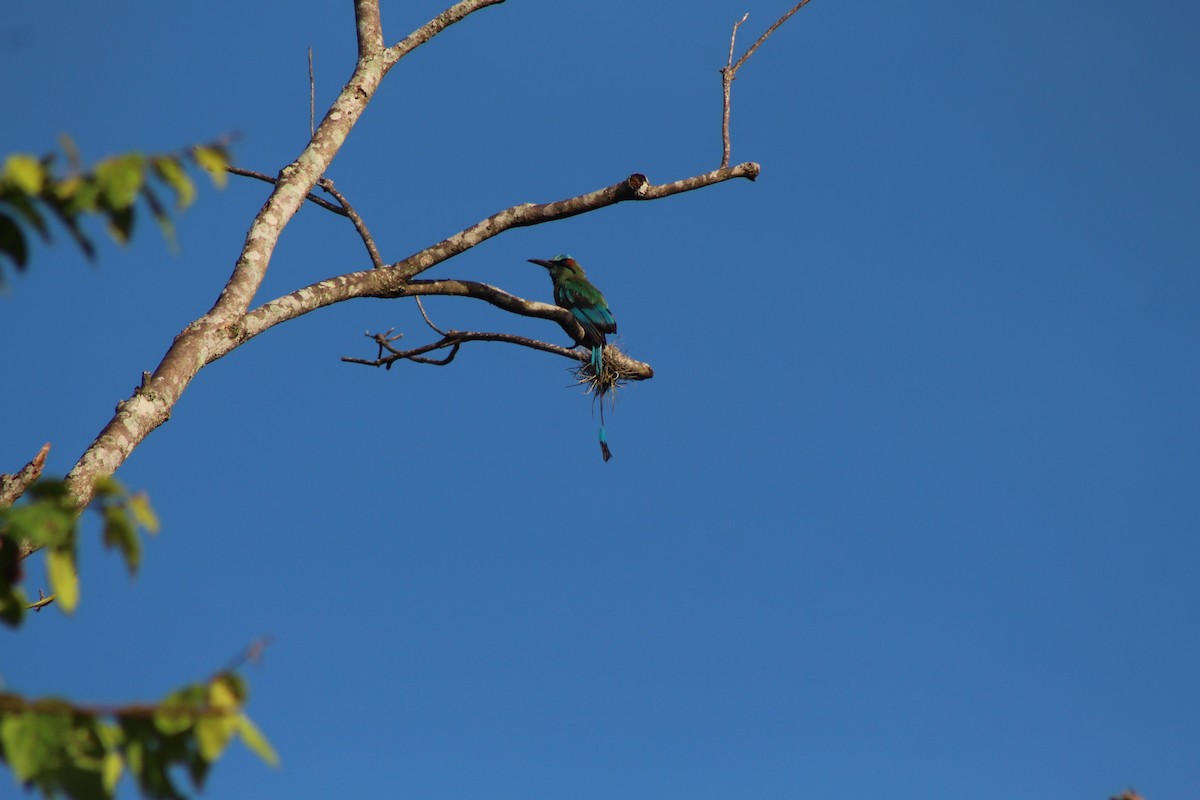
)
(33, 189)
(81, 752)
(52, 745)
(48, 519)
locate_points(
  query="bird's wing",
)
(598, 316)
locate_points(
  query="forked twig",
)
(312, 198)
(453, 340)
(342, 208)
(729, 72)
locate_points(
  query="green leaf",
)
(78, 194)
(12, 606)
(173, 720)
(48, 519)
(120, 224)
(170, 171)
(119, 180)
(25, 172)
(27, 211)
(64, 582)
(213, 733)
(253, 738)
(63, 208)
(226, 693)
(20, 745)
(12, 242)
(120, 533)
(143, 514)
(214, 160)
(41, 522)
(165, 224)
(228, 688)
(111, 771)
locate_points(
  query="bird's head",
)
(560, 265)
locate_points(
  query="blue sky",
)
(910, 508)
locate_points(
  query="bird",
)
(574, 292)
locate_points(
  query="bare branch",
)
(456, 13)
(635, 187)
(497, 297)
(425, 316)
(368, 27)
(359, 225)
(729, 72)
(209, 336)
(13, 486)
(312, 198)
(395, 280)
(343, 208)
(770, 30)
(454, 339)
(726, 86)
(621, 365)
(312, 96)
(232, 321)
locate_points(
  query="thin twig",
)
(312, 97)
(454, 339)
(252, 654)
(726, 85)
(42, 601)
(428, 322)
(733, 37)
(729, 72)
(622, 367)
(770, 30)
(359, 225)
(249, 173)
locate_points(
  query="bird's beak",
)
(541, 263)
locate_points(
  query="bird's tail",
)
(597, 359)
(604, 451)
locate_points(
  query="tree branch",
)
(231, 322)
(343, 207)
(312, 96)
(729, 72)
(453, 339)
(395, 280)
(456, 13)
(360, 226)
(770, 30)
(726, 86)
(635, 187)
(312, 198)
(13, 486)
(213, 334)
(368, 28)
(622, 365)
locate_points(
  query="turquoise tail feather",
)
(604, 451)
